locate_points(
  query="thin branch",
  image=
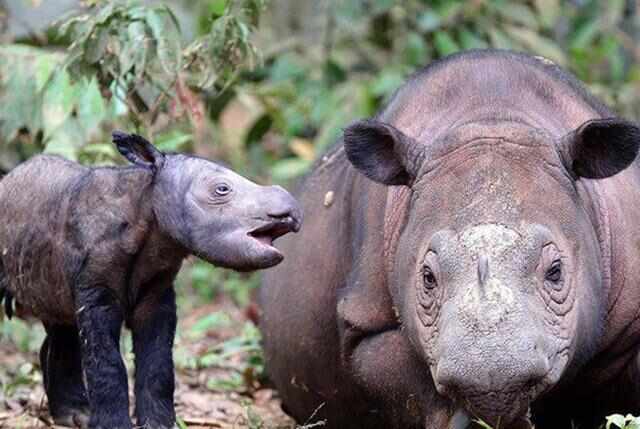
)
(195, 421)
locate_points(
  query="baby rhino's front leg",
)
(99, 317)
(154, 327)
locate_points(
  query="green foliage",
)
(247, 374)
(42, 109)
(127, 66)
(252, 419)
(24, 336)
(141, 46)
(226, 49)
(622, 422)
(181, 424)
(241, 356)
(125, 47)
(481, 424)
(25, 376)
(207, 282)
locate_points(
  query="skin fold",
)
(86, 250)
(476, 259)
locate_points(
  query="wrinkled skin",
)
(474, 256)
(88, 249)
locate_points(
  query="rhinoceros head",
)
(211, 211)
(498, 274)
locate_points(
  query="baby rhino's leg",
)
(62, 374)
(154, 327)
(99, 318)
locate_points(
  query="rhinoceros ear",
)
(600, 148)
(138, 150)
(382, 152)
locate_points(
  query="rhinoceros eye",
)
(428, 277)
(554, 273)
(222, 189)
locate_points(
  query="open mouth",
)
(266, 234)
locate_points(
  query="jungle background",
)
(265, 86)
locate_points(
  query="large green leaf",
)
(60, 98)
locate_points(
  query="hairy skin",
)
(86, 250)
(475, 259)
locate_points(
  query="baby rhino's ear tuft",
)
(138, 150)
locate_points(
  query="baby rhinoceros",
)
(86, 249)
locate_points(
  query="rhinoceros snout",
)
(282, 206)
(495, 392)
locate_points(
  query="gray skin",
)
(87, 249)
(471, 252)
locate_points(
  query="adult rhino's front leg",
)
(99, 319)
(154, 329)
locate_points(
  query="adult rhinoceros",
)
(471, 251)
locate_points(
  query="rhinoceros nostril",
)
(290, 216)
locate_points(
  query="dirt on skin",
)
(24, 405)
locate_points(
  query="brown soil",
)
(252, 405)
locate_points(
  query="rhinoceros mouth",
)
(505, 410)
(266, 234)
(461, 419)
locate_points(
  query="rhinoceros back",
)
(33, 249)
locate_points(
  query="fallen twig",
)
(195, 421)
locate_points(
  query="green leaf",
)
(519, 14)
(613, 12)
(416, 49)
(286, 68)
(470, 40)
(105, 13)
(209, 322)
(449, 9)
(66, 140)
(98, 154)
(45, 66)
(388, 81)
(173, 141)
(444, 43)
(91, 107)
(482, 424)
(334, 73)
(217, 7)
(536, 43)
(289, 168)
(548, 11)
(234, 382)
(428, 21)
(134, 52)
(168, 40)
(615, 57)
(585, 34)
(96, 45)
(616, 421)
(499, 39)
(382, 6)
(20, 98)
(59, 99)
(181, 424)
